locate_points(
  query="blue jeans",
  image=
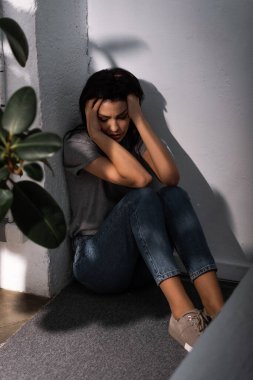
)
(134, 244)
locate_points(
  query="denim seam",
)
(145, 245)
(167, 275)
(158, 276)
(204, 269)
(77, 254)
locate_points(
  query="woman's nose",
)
(114, 126)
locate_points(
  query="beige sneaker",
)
(188, 328)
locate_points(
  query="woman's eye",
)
(122, 117)
(102, 119)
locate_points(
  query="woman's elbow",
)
(171, 180)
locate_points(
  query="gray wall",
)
(62, 65)
(225, 349)
(195, 60)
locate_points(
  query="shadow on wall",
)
(110, 47)
(211, 206)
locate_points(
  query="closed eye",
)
(122, 117)
(102, 119)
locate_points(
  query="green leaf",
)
(37, 214)
(38, 146)
(4, 173)
(20, 111)
(6, 198)
(32, 132)
(28, 133)
(16, 39)
(34, 171)
(3, 136)
(3, 133)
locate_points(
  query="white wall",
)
(57, 69)
(195, 59)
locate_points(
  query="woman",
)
(123, 231)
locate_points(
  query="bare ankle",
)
(212, 310)
(178, 299)
(179, 312)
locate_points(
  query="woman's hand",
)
(156, 154)
(91, 111)
(119, 166)
(134, 108)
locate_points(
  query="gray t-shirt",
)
(91, 198)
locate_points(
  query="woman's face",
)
(113, 118)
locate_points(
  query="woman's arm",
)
(157, 155)
(119, 166)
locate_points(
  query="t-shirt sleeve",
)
(79, 151)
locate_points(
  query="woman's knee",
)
(142, 194)
(174, 194)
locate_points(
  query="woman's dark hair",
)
(112, 84)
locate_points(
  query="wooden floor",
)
(15, 309)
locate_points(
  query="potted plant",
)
(24, 150)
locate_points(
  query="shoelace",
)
(206, 317)
(197, 321)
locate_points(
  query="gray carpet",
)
(79, 335)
